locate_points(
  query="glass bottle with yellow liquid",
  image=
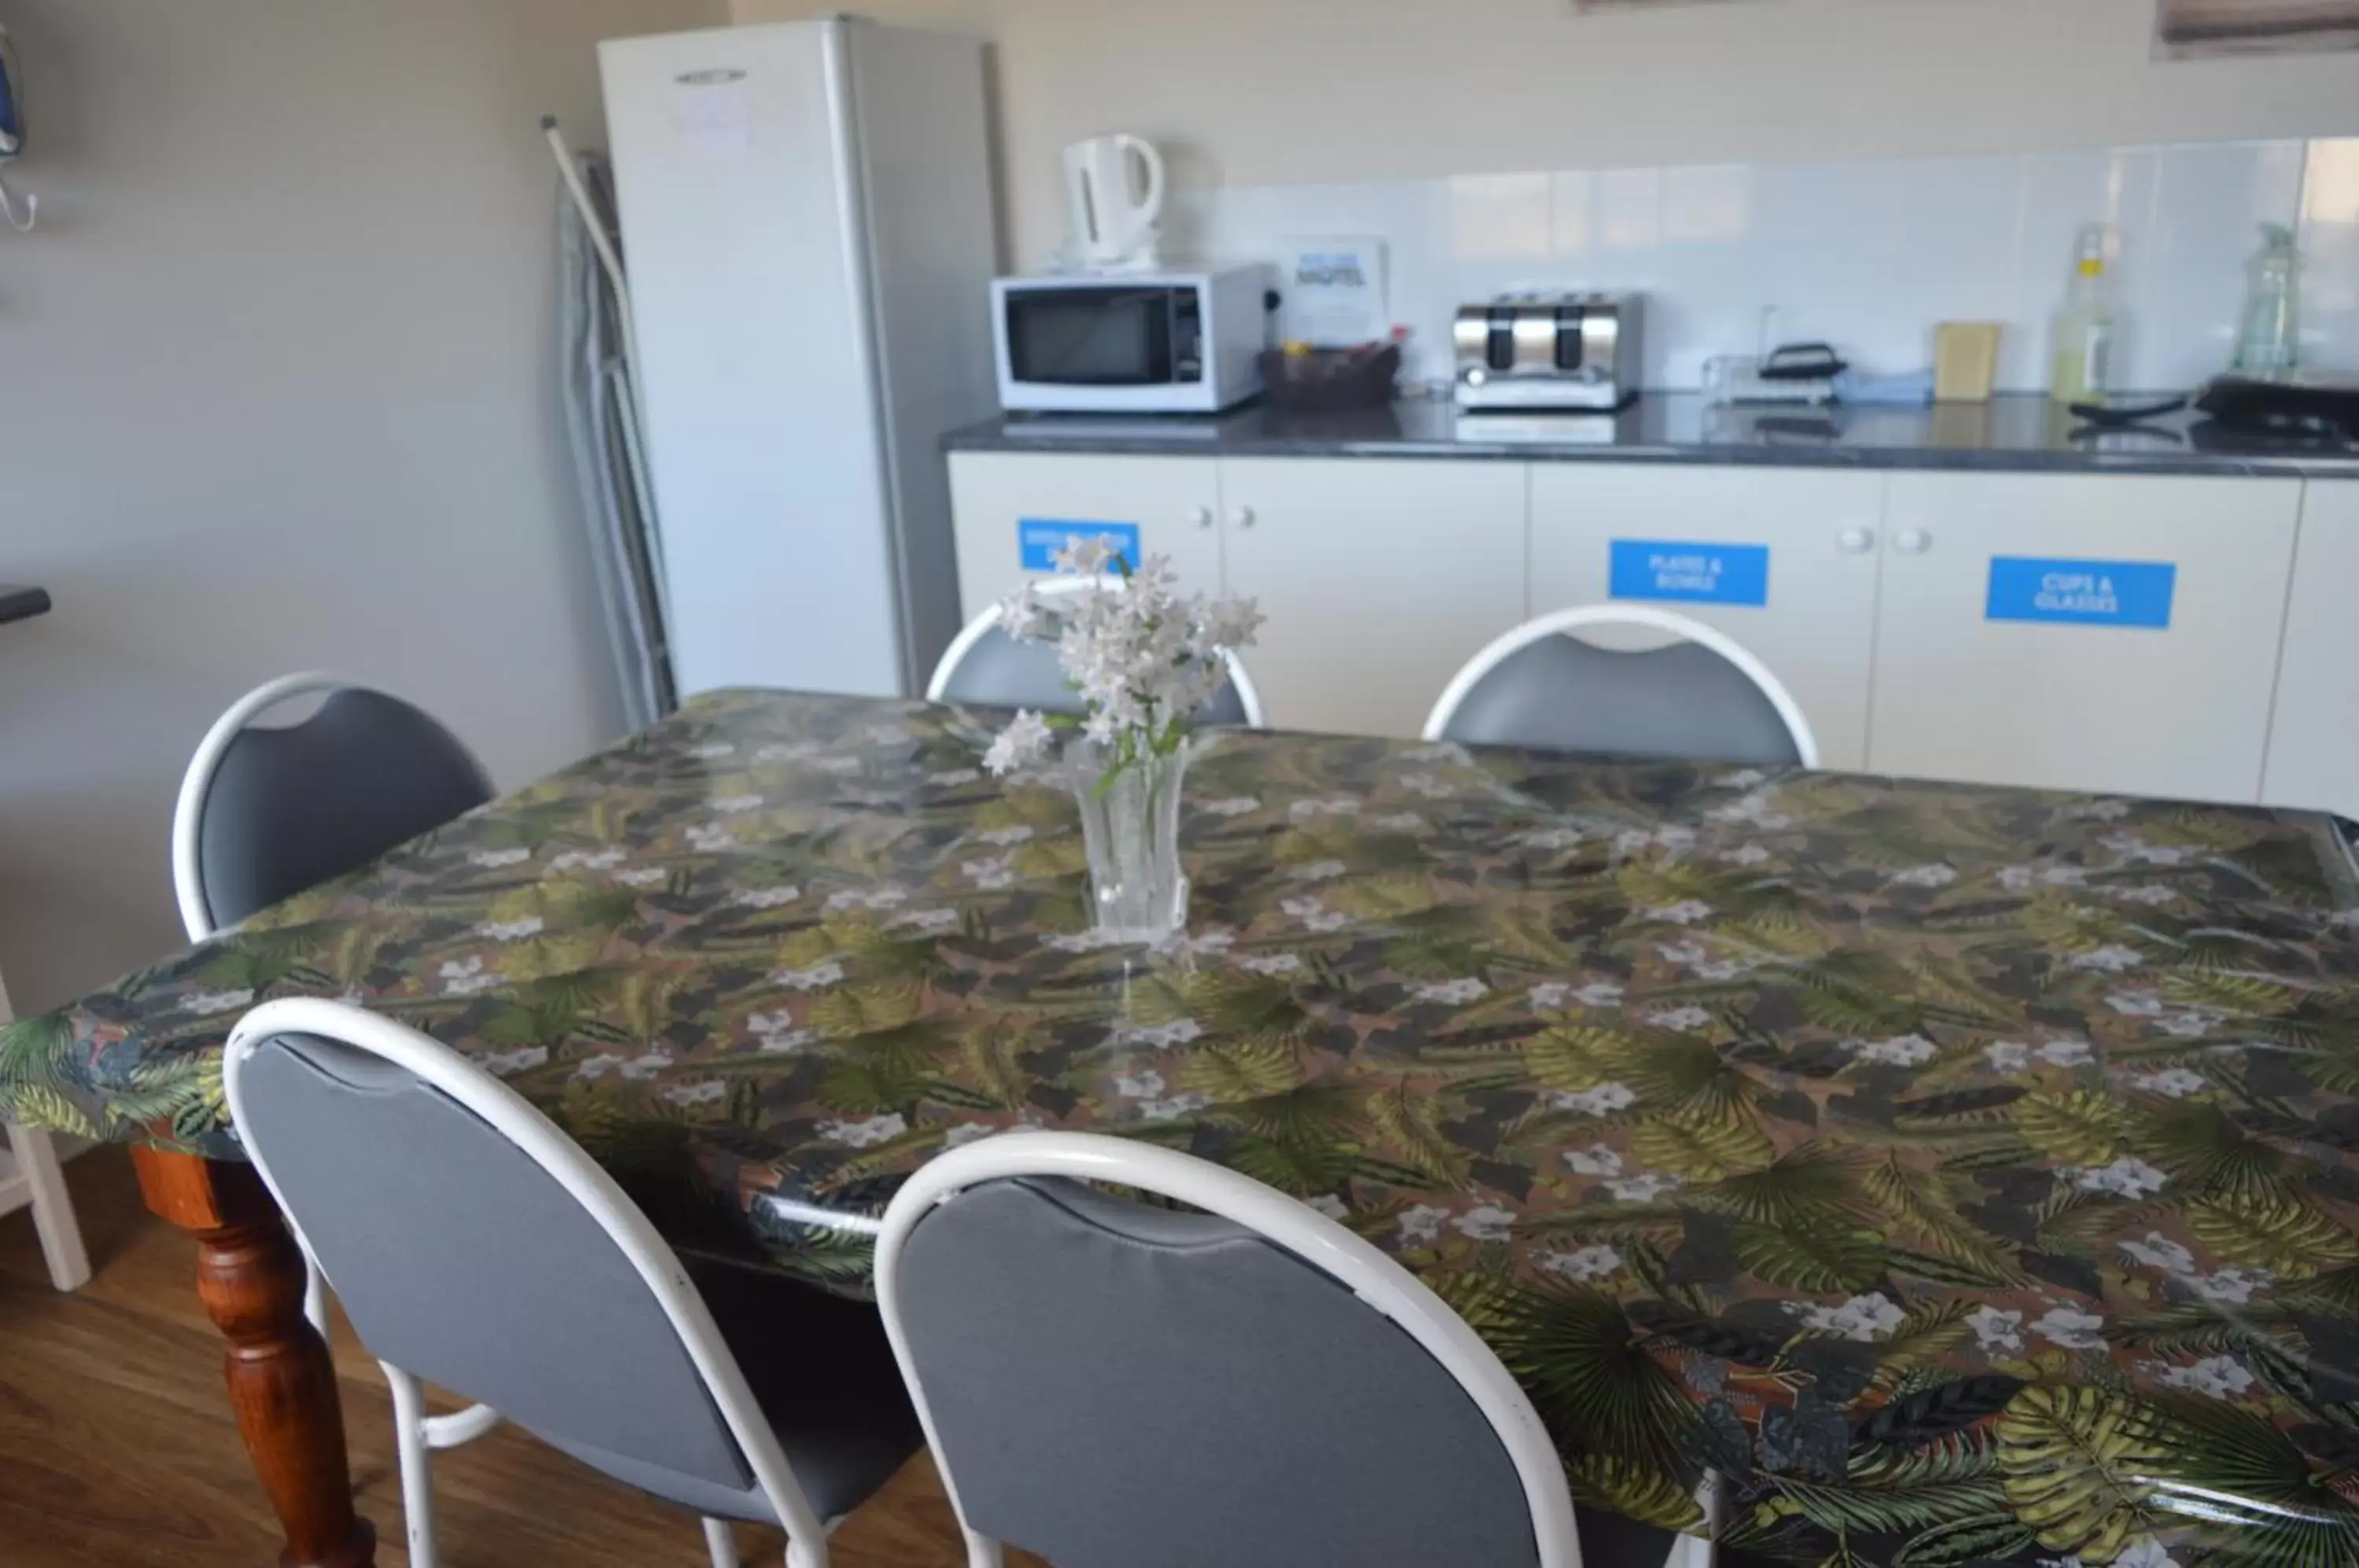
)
(2082, 362)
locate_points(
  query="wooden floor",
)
(116, 1445)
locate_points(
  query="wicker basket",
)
(1331, 378)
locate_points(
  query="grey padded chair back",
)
(286, 808)
(463, 1261)
(1683, 700)
(1113, 1386)
(998, 672)
(1700, 697)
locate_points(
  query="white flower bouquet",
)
(1142, 659)
(1145, 661)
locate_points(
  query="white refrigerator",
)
(807, 228)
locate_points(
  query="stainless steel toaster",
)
(1550, 350)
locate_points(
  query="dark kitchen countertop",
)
(2019, 433)
(18, 602)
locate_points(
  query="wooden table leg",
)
(282, 1386)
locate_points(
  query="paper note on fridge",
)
(715, 110)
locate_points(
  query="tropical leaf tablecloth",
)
(1962, 1175)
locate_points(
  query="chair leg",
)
(1695, 1550)
(417, 1463)
(53, 1216)
(460, 1426)
(806, 1555)
(722, 1542)
(315, 1297)
(982, 1551)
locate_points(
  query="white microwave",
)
(1146, 343)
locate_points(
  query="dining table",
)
(1853, 1170)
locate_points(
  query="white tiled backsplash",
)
(1866, 255)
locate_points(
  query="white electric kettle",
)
(1116, 186)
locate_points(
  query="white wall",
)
(1867, 253)
(277, 392)
(1311, 92)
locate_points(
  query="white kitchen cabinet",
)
(2113, 703)
(1380, 578)
(1805, 607)
(2314, 739)
(1173, 502)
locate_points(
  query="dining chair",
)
(984, 666)
(39, 1181)
(1700, 694)
(476, 1246)
(266, 812)
(1107, 1383)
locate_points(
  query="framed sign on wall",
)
(1583, 8)
(2193, 28)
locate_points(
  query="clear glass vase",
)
(1130, 825)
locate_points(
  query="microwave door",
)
(1091, 337)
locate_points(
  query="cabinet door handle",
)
(1202, 517)
(1856, 541)
(1912, 542)
(1243, 516)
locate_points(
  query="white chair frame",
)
(983, 625)
(539, 1140)
(40, 1181)
(1565, 623)
(1309, 1234)
(189, 868)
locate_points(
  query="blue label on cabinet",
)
(1691, 574)
(2082, 592)
(1038, 540)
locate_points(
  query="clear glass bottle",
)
(2268, 343)
(2086, 326)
